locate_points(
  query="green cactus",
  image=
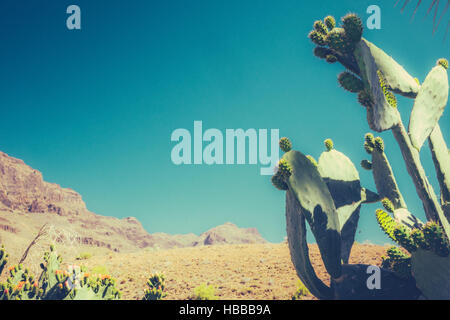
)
(397, 261)
(390, 97)
(285, 144)
(350, 82)
(284, 168)
(318, 38)
(379, 144)
(387, 223)
(317, 194)
(387, 204)
(331, 58)
(329, 145)
(336, 39)
(3, 258)
(318, 207)
(366, 164)
(436, 239)
(155, 290)
(322, 52)
(443, 62)
(320, 27)
(330, 22)
(279, 182)
(313, 161)
(56, 284)
(353, 27)
(403, 238)
(365, 98)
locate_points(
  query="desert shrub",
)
(84, 256)
(204, 292)
(302, 291)
(99, 270)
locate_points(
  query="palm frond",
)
(438, 15)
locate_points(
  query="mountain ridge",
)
(27, 202)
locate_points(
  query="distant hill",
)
(27, 202)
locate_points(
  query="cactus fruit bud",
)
(353, 27)
(278, 182)
(330, 22)
(398, 262)
(284, 168)
(366, 164)
(387, 204)
(336, 39)
(320, 27)
(370, 139)
(329, 145)
(350, 82)
(419, 239)
(317, 38)
(369, 142)
(365, 98)
(313, 161)
(379, 144)
(285, 144)
(331, 58)
(436, 239)
(443, 62)
(321, 52)
(404, 239)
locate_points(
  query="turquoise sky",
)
(94, 109)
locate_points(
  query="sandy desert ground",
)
(256, 271)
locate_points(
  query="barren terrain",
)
(253, 271)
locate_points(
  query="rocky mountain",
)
(27, 202)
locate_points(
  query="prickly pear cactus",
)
(429, 105)
(342, 179)
(20, 285)
(155, 290)
(376, 78)
(317, 206)
(57, 284)
(3, 258)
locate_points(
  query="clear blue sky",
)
(94, 109)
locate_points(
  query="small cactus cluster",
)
(333, 41)
(390, 97)
(430, 237)
(56, 284)
(397, 261)
(20, 285)
(155, 290)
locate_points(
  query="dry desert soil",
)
(253, 271)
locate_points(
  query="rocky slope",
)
(27, 202)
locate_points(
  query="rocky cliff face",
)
(23, 188)
(27, 202)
